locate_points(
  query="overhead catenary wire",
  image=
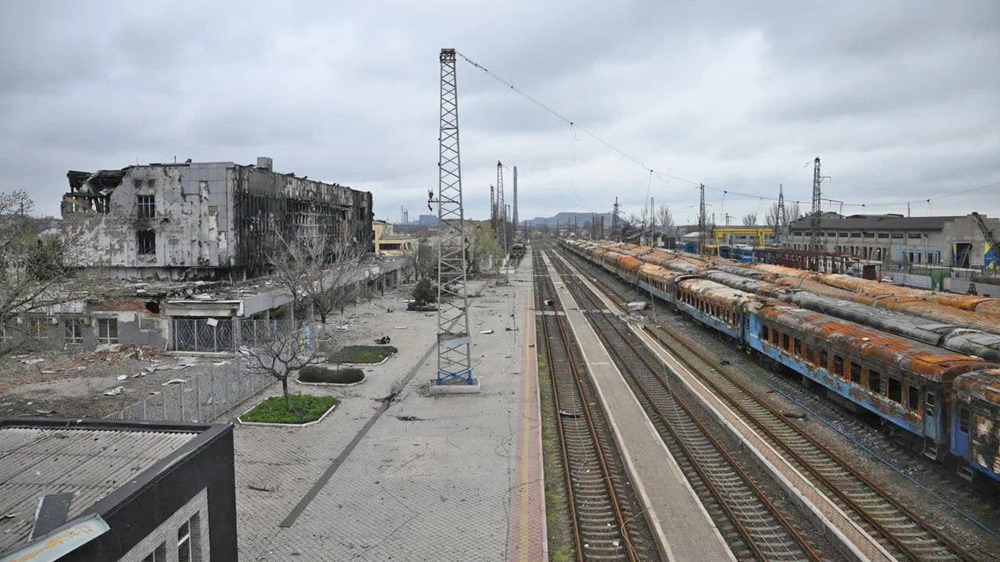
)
(663, 177)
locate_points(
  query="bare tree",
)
(281, 350)
(771, 218)
(33, 279)
(792, 211)
(750, 219)
(319, 269)
(665, 221)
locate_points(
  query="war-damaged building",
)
(200, 220)
(187, 246)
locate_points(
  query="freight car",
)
(947, 403)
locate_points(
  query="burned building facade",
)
(200, 220)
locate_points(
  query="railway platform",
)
(681, 526)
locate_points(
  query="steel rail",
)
(914, 547)
(581, 399)
(766, 509)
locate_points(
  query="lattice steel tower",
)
(781, 219)
(817, 208)
(454, 358)
(702, 221)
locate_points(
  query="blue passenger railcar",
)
(975, 422)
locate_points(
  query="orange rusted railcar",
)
(975, 427)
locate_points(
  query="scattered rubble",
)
(114, 391)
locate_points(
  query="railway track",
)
(606, 519)
(901, 531)
(751, 524)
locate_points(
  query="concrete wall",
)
(193, 207)
(197, 230)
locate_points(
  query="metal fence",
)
(201, 398)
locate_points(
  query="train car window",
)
(914, 398)
(855, 373)
(798, 346)
(763, 332)
(874, 381)
(823, 359)
(774, 337)
(929, 404)
(784, 342)
(963, 420)
(895, 391)
(838, 365)
(809, 354)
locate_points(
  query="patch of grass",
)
(305, 408)
(368, 354)
(557, 515)
(315, 373)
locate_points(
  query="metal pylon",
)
(454, 358)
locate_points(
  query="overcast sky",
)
(900, 100)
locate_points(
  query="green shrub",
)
(424, 293)
(315, 373)
(305, 408)
(366, 354)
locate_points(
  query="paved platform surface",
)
(679, 521)
(434, 478)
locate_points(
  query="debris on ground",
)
(32, 361)
(794, 416)
(122, 377)
(174, 381)
(383, 340)
(486, 331)
(114, 391)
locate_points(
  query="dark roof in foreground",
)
(876, 222)
(88, 459)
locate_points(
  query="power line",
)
(663, 177)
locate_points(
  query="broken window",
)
(147, 242)
(914, 398)
(855, 373)
(798, 346)
(874, 381)
(838, 365)
(763, 332)
(107, 330)
(963, 420)
(895, 391)
(146, 206)
(784, 341)
(74, 330)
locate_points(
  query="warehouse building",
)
(949, 241)
(74, 490)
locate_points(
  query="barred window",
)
(146, 240)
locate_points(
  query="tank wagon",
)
(947, 404)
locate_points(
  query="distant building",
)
(77, 490)
(389, 243)
(200, 220)
(427, 220)
(954, 241)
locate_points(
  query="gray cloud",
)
(899, 99)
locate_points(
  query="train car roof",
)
(715, 291)
(927, 361)
(983, 385)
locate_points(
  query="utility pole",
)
(702, 220)
(454, 341)
(652, 221)
(616, 227)
(515, 202)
